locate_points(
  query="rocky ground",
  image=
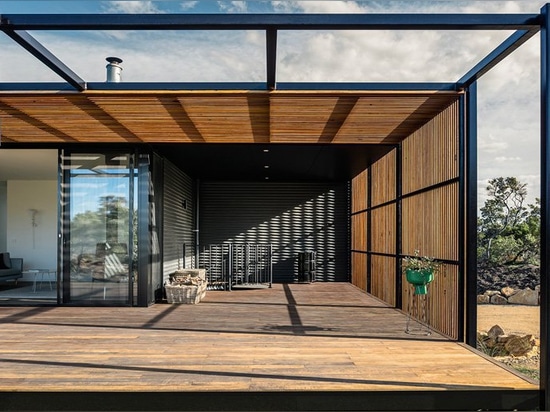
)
(516, 277)
(513, 319)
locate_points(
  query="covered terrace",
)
(368, 135)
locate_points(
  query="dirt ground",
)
(519, 320)
(514, 319)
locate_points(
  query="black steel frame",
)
(469, 215)
(545, 208)
(16, 26)
(524, 25)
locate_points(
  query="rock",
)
(485, 340)
(491, 292)
(490, 343)
(519, 345)
(483, 299)
(507, 291)
(518, 277)
(481, 335)
(504, 338)
(495, 332)
(499, 300)
(525, 297)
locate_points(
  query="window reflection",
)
(102, 228)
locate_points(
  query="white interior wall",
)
(36, 245)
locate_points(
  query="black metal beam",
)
(506, 48)
(390, 86)
(545, 208)
(175, 86)
(271, 57)
(45, 56)
(270, 21)
(426, 399)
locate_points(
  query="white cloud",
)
(502, 159)
(130, 7)
(383, 56)
(492, 145)
(188, 5)
(521, 6)
(319, 6)
(400, 6)
(233, 6)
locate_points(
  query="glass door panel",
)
(99, 228)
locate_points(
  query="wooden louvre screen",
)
(217, 116)
(420, 214)
(359, 230)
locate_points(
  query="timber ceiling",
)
(218, 116)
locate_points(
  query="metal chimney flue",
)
(114, 71)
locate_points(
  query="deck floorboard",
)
(297, 337)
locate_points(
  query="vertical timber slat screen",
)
(384, 179)
(359, 230)
(383, 281)
(429, 218)
(430, 212)
(359, 247)
(383, 227)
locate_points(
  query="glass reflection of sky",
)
(88, 188)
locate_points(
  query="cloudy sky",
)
(508, 117)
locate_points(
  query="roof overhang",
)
(214, 116)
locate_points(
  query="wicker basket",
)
(191, 294)
(182, 274)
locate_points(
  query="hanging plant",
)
(419, 271)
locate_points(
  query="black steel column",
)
(398, 227)
(144, 228)
(131, 209)
(544, 207)
(64, 205)
(468, 259)
(369, 231)
(271, 58)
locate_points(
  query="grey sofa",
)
(10, 268)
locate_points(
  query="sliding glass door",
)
(99, 228)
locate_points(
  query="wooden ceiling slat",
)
(242, 119)
(18, 127)
(219, 116)
(300, 119)
(72, 115)
(151, 118)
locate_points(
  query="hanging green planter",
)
(419, 279)
(420, 271)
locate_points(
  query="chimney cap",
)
(114, 59)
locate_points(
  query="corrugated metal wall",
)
(294, 217)
(178, 219)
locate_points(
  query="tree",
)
(508, 230)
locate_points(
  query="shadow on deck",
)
(321, 346)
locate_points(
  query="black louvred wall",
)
(294, 217)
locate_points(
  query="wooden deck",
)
(300, 339)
